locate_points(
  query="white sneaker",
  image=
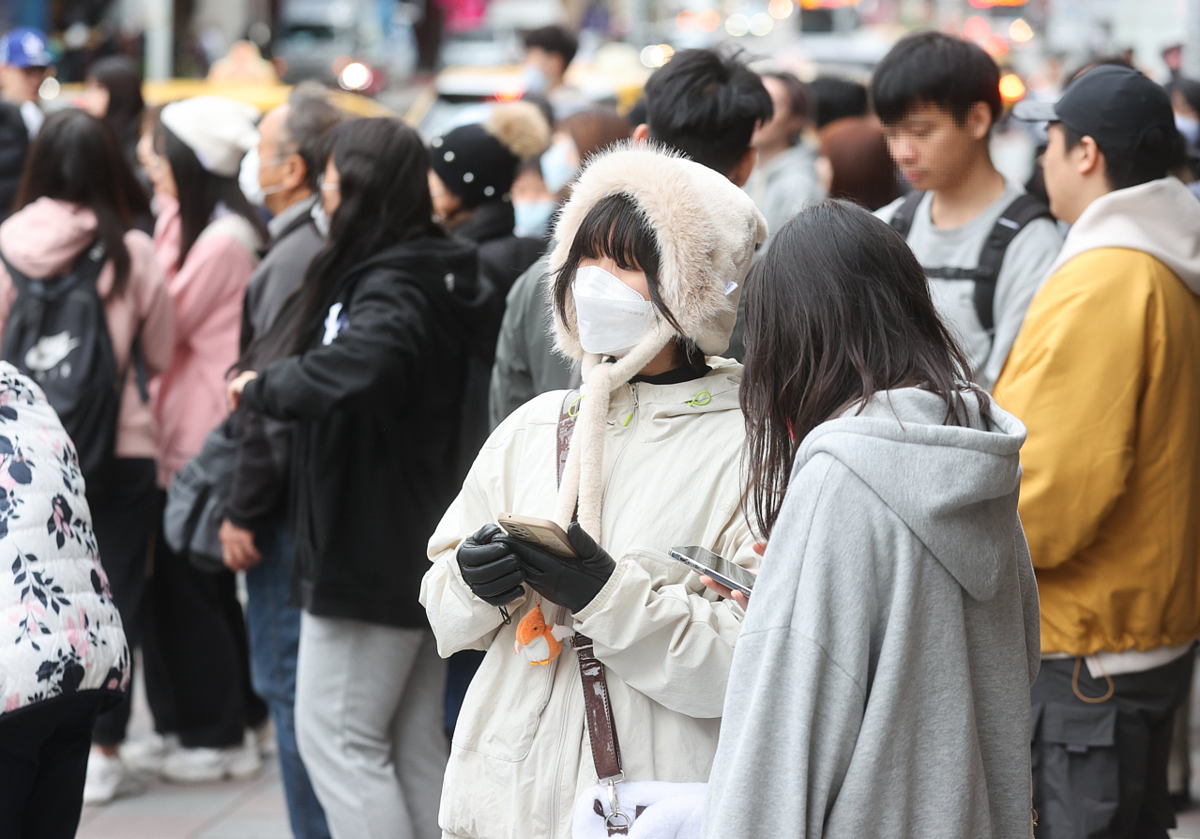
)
(264, 738)
(108, 778)
(189, 766)
(148, 754)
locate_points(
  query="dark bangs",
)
(617, 229)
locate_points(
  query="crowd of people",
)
(455, 408)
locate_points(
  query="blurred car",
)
(358, 44)
(461, 95)
(264, 96)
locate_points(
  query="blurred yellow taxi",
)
(459, 95)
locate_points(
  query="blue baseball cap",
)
(25, 47)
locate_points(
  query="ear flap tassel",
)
(583, 477)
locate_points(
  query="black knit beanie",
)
(473, 165)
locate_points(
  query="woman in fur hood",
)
(649, 257)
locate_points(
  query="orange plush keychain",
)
(540, 642)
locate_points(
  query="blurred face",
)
(1067, 174)
(331, 189)
(445, 202)
(95, 98)
(636, 280)
(281, 171)
(777, 132)
(549, 64)
(929, 146)
(156, 166)
(20, 84)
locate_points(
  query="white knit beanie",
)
(219, 131)
(707, 231)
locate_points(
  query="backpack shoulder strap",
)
(1024, 209)
(20, 280)
(902, 219)
(84, 271)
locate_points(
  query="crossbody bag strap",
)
(602, 730)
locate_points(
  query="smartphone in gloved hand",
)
(541, 532)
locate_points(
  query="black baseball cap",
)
(1113, 105)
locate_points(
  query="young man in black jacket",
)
(256, 535)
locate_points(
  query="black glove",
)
(571, 582)
(490, 568)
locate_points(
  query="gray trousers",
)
(1100, 768)
(369, 726)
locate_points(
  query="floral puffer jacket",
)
(61, 633)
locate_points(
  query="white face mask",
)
(612, 317)
(320, 218)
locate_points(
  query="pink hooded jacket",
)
(207, 292)
(43, 240)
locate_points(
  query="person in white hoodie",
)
(650, 253)
(1106, 375)
(881, 682)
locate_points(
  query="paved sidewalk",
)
(252, 809)
(234, 810)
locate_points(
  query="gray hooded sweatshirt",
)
(880, 685)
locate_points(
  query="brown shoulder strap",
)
(606, 750)
(566, 427)
(602, 732)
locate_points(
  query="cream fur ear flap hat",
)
(707, 230)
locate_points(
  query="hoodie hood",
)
(445, 269)
(955, 487)
(43, 239)
(1159, 218)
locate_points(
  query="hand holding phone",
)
(541, 532)
(569, 579)
(708, 564)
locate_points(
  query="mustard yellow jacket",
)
(1106, 376)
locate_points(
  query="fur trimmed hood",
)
(707, 231)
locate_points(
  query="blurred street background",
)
(432, 60)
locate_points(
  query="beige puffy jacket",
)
(520, 754)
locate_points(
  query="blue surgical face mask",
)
(555, 163)
(533, 217)
(533, 79)
(1189, 127)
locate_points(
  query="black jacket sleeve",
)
(368, 363)
(260, 477)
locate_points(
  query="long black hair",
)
(382, 169)
(838, 310)
(75, 159)
(119, 76)
(200, 191)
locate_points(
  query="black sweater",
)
(377, 399)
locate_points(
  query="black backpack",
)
(57, 334)
(1024, 209)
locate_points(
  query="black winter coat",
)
(502, 256)
(377, 399)
(14, 145)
